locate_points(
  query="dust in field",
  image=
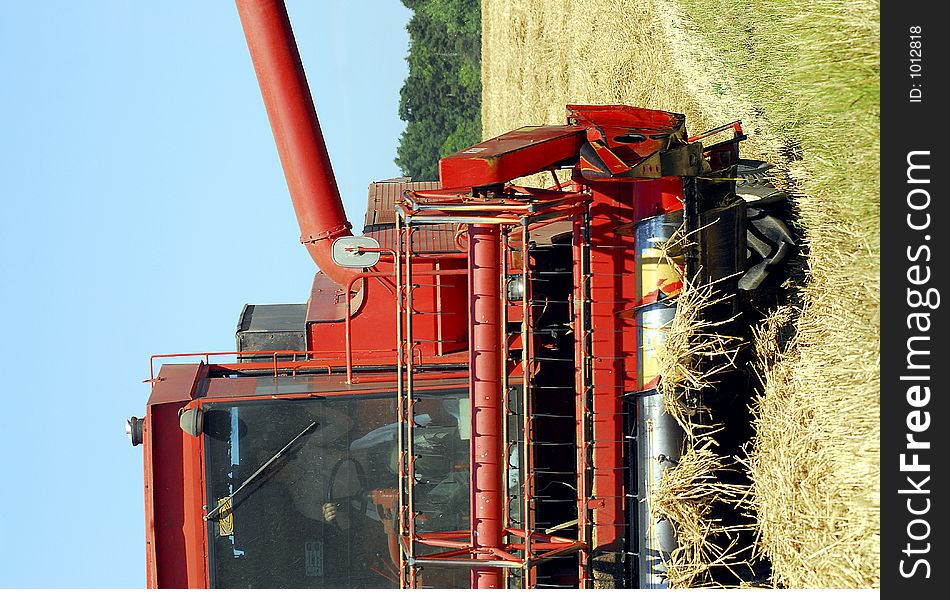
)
(808, 103)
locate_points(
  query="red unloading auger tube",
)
(300, 143)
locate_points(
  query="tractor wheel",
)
(769, 241)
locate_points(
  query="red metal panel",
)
(617, 118)
(427, 239)
(171, 532)
(196, 553)
(165, 516)
(511, 155)
(613, 352)
(383, 196)
(336, 385)
(174, 382)
(230, 387)
(373, 335)
(657, 196)
(326, 302)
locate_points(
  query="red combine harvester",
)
(469, 396)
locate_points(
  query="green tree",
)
(441, 97)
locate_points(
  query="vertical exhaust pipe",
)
(300, 143)
(488, 500)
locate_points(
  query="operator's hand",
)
(333, 514)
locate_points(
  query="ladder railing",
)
(525, 545)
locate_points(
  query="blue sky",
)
(141, 206)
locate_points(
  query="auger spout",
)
(300, 143)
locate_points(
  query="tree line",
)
(440, 100)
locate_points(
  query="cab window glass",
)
(322, 514)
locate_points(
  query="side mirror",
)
(133, 429)
(346, 253)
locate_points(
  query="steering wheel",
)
(362, 494)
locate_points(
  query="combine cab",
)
(470, 396)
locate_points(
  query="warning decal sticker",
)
(225, 518)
